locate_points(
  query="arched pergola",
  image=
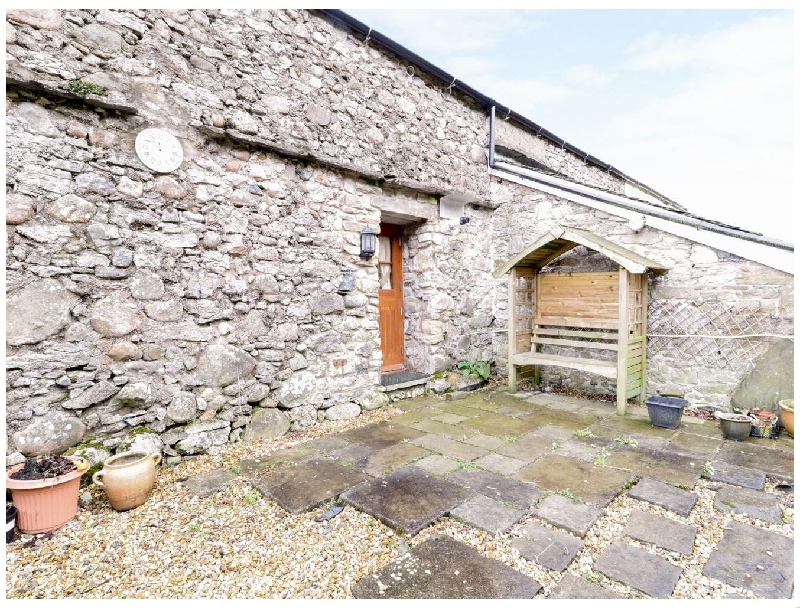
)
(579, 312)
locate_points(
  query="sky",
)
(696, 104)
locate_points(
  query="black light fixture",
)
(348, 283)
(368, 242)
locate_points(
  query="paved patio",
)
(490, 459)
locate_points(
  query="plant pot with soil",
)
(735, 427)
(787, 415)
(45, 491)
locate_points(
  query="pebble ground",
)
(237, 544)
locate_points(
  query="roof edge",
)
(354, 26)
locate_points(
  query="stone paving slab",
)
(754, 559)
(595, 484)
(394, 457)
(528, 447)
(616, 426)
(380, 435)
(737, 476)
(488, 442)
(355, 454)
(434, 427)
(491, 423)
(552, 549)
(407, 499)
(571, 421)
(578, 588)
(487, 514)
(449, 418)
(443, 568)
(639, 569)
(664, 495)
(498, 487)
(497, 463)
(755, 454)
(437, 464)
(672, 468)
(661, 531)
(695, 445)
(327, 444)
(308, 484)
(278, 459)
(560, 511)
(554, 433)
(449, 447)
(582, 449)
(213, 481)
(745, 501)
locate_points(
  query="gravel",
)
(239, 544)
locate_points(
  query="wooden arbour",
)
(591, 312)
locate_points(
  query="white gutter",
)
(770, 252)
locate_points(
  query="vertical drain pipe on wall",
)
(491, 138)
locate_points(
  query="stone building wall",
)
(203, 301)
(187, 301)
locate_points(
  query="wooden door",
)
(390, 298)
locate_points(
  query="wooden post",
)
(622, 343)
(643, 391)
(512, 330)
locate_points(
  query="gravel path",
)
(238, 544)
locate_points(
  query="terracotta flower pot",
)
(128, 478)
(787, 415)
(46, 504)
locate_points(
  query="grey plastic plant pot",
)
(735, 427)
(665, 412)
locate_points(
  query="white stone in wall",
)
(37, 311)
(71, 208)
(113, 318)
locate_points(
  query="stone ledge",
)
(50, 90)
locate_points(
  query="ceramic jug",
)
(127, 478)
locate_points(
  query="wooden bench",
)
(580, 312)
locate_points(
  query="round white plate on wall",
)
(159, 150)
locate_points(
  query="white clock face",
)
(159, 150)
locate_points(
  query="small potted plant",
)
(45, 491)
(477, 374)
(734, 426)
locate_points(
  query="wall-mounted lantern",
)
(368, 242)
(348, 283)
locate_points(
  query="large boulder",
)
(37, 311)
(297, 389)
(114, 319)
(49, 435)
(343, 411)
(267, 423)
(223, 364)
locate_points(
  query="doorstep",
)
(393, 381)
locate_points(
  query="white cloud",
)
(434, 32)
(721, 143)
(586, 75)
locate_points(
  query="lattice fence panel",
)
(709, 333)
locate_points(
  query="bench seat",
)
(603, 368)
